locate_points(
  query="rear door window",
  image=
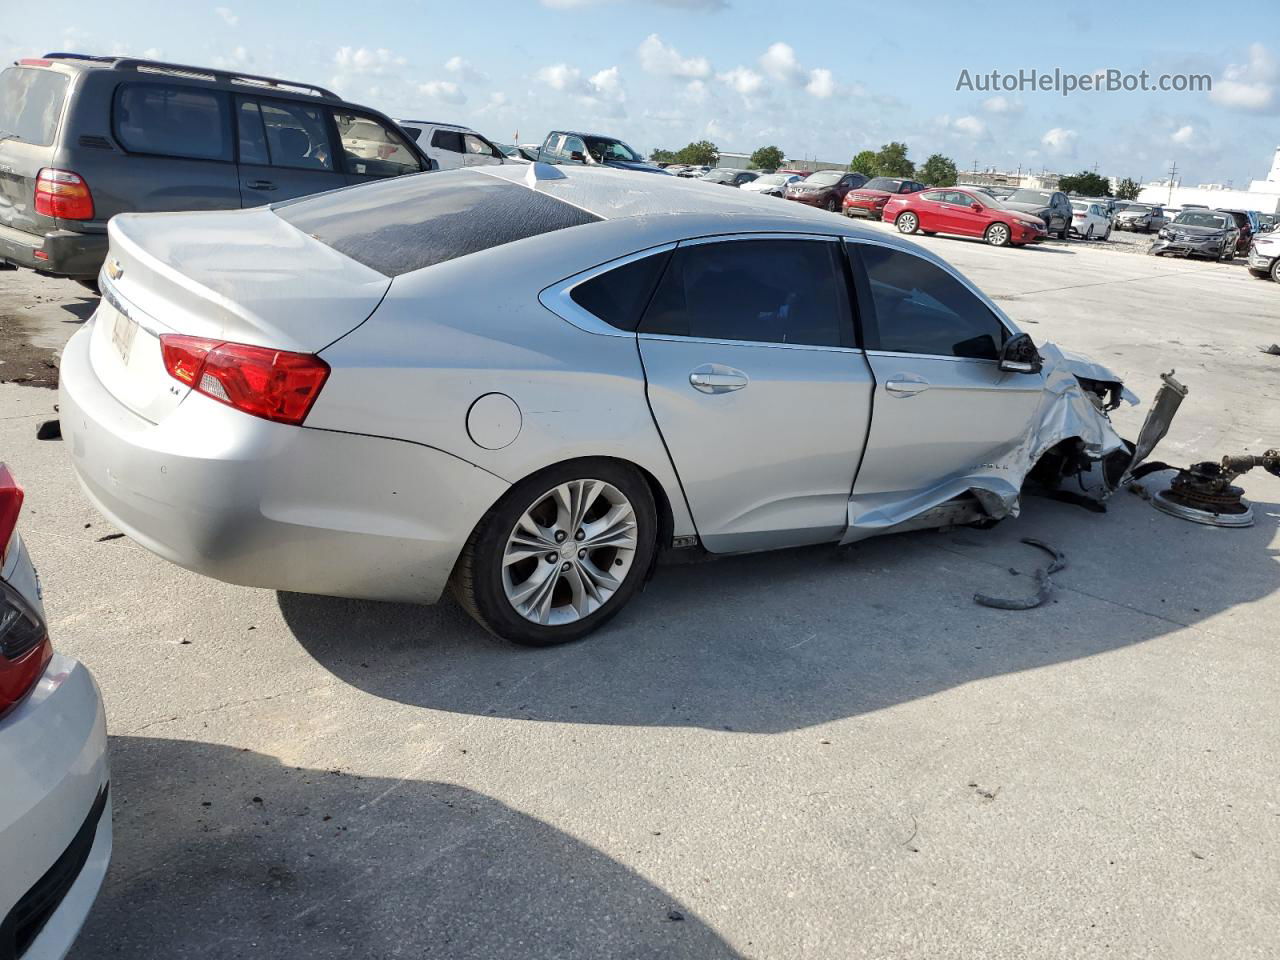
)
(760, 291)
(920, 308)
(397, 226)
(172, 120)
(619, 296)
(31, 104)
(450, 140)
(297, 135)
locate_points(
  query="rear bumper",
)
(263, 504)
(1258, 261)
(64, 253)
(864, 208)
(55, 816)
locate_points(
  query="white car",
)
(55, 811)
(1090, 220)
(452, 146)
(772, 184)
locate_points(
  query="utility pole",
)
(1173, 170)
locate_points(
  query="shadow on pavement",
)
(81, 310)
(221, 852)
(780, 641)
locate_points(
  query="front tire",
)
(833, 205)
(1275, 269)
(907, 222)
(560, 554)
(997, 235)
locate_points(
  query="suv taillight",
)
(63, 194)
(272, 384)
(24, 641)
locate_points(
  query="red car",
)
(969, 213)
(869, 199)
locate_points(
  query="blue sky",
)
(816, 78)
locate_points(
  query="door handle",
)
(905, 388)
(717, 378)
(260, 185)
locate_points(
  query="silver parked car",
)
(525, 382)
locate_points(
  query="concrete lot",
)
(808, 754)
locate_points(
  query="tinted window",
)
(920, 308)
(620, 296)
(413, 133)
(477, 146)
(172, 121)
(765, 291)
(30, 104)
(450, 140)
(371, 149)
(297, 135)
(252, 135)
(395, 226)
(936, 196)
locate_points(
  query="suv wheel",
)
(560, 554)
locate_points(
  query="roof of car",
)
(594, 136)
(438, 123)
(612, 194)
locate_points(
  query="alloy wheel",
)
(569, 552)
(907, 223)
(998, 235)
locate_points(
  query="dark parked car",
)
(1199, 233)
(869, 199)
(593, 149)
(1250, 227)
(729, 176)
(826, 188)
(1051, 206)
(84, 138)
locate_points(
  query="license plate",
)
(123, 332)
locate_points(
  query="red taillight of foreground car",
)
(272, 384)
(63, 194)
(24, 641)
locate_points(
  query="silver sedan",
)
(524, 383)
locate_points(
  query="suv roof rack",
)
(182, 69)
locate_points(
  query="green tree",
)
(892, 161)
(1086, 183)
(703, 153)
(766, 158)
(658, 155)
(1127, 189)
(864, 162)
(938, 171)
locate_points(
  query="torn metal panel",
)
(1069, 407)
(1156, 425)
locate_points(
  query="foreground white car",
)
(55, 812)
(1090, 220)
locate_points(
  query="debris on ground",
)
(49, 430)
(1274, 350)
(1045, 585)
(109, 536)
(1205, 492)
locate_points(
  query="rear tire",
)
(569, 597)
(907, 222)
(1275, 269)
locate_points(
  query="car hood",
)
(1132, 214)
(1192, 230)
(1032, 208)
(640, 167)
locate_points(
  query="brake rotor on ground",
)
(1204, 492)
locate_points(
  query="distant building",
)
(1262, 195)
(1009, 178)
(742, 161)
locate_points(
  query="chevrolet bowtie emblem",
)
(114, 270)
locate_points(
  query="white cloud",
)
(743, 80)
(695, 91)
(607, 84)
(367, 61)
(659, 58)
(1252, 86)
(560, 76)
(821, 84)
(602, 89)
(1001, 104)
(238, 57)
(446, 91)
(1059, 140)
(228, 16)
(779, 62)
(1184, 134)
(464, 70)
(970, 126)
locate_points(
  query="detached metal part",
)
(1205, 492)
(1154, 428)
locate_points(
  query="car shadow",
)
(778, 641)
(80, 310)
(222, 852)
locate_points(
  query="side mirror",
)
(1020, 355)
(975, 207)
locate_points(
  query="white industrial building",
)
(1262, 195)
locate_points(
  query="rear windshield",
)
(407, 223)
(30, 104)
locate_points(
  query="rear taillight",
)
(63, 194)
(272, 384)
(24, 641)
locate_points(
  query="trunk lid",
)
(243, 276)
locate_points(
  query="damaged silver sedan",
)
(525, 383)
